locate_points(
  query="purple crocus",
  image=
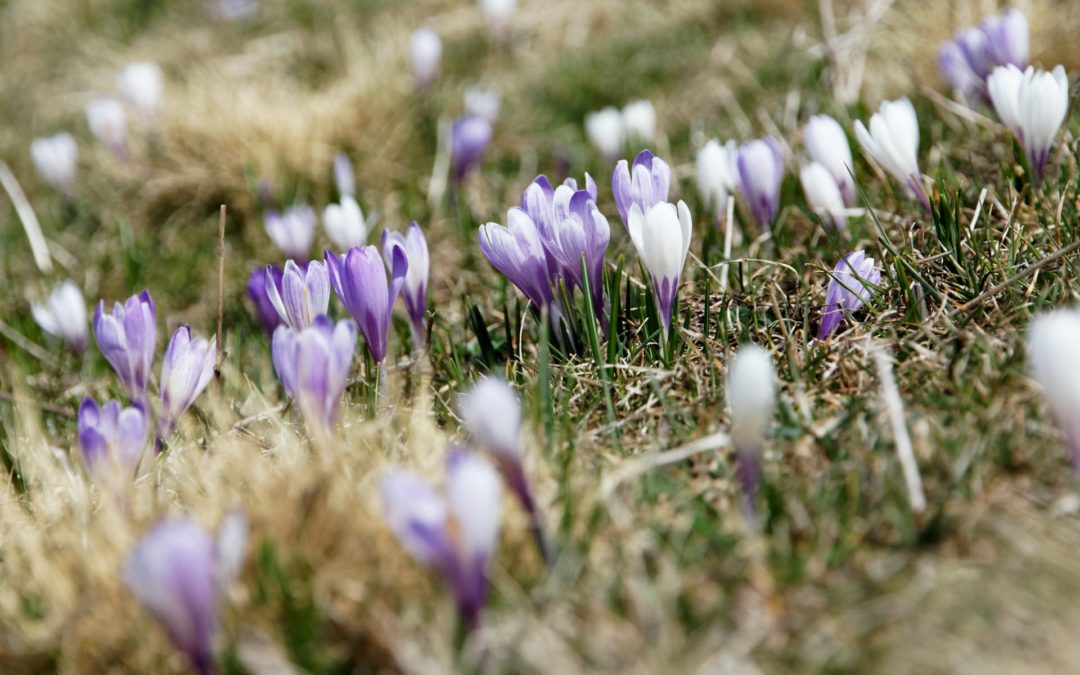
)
(853, 279)
(313, 364)
(456, 534)
(111, 437)
(302, 295)
(491, 412)
(414, 247)
(761, 170)
(645, 183)
(470, 136)
(359, 279)
(260, 280)
(127, 337)
(292, 231)
(571, 227)
(178, 572)
(517, 252)
(185, 372)
(968, 60)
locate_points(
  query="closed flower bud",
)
(414, 247)
(661, 236)
(112, 439)
(108, 122)
(142, 85)
(345, 224)
(55, 158)
(498, 12)
(64, 315)
(425, 54)
(606, 131)
(483, 103)
(854, 279)
(751, 394)
(761, 170)
(645, 183)
(470, 136)
(1033, 105)
(639, 121)
(359, 279)
(344, 175)
(827, 145)
(823, 194)
(717, 175)
(893, 142)
(260, 280)
(516, 250)
(1054, 362)
(313, 365)
(292, 231)
(185, 371)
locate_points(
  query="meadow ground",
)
(656, 570)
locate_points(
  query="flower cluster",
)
(967, 60)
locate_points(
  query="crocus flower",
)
(344, 175)
(854, 277)
(639, 121)
(64, 315)
(958, 73)
(517, 252)
(292, 231)
(483, 103)
(606, 131)
(55, 158)
(313, 365)
(303, 292)
(571, 227)
(827, 145)
(1054, 362)
(178, 573)
(185, 372)
(1008, 39)
(966, 61)
(260, 280)
(111, 438)
(661, 236)
(823, 194)
(498, 12)
(127, 337)
(108, 122)
(761, 170)
(1033, 105)
(345, 224)
(470, 136)
(751, 395)
(425, 53)
(456, 535)
(414, 247)
(893, 142)
(141, 84)
(491, 412)
(645, 183)
(359, 279)
(717, 175)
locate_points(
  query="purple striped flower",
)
(661, 236)
(645, 183)
(853, 280)
(761, 170)
(414, 247)
(517, 251)
(1033, 104)
(456, 534)
(111, 438)
(470, 136)
(313, 365)
(128, 337)
(302, 295)
(968, 60)
(178, 573)
(185, 371)
(359, 279)
(260, 280)
(571, 227)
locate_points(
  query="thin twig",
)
(19, 399)
(991, 292)
(221, 291)
(636, 467)
(894, 406)
(24, 343)
(27, 217)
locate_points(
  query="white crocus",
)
(1054, 362)
(64, 315)
(1033, 105)
(492, 414)
(499, 12)
(717, 175)
(483, 103)
(827, 145)
(823, 194)
(425, 53)
(639, 121)
(606, 132)
(751, 394)
(474, 495)
(55, 158)
(893, 142)
(345, 224)
(107, 120)
(662, 239)
(142, 85)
